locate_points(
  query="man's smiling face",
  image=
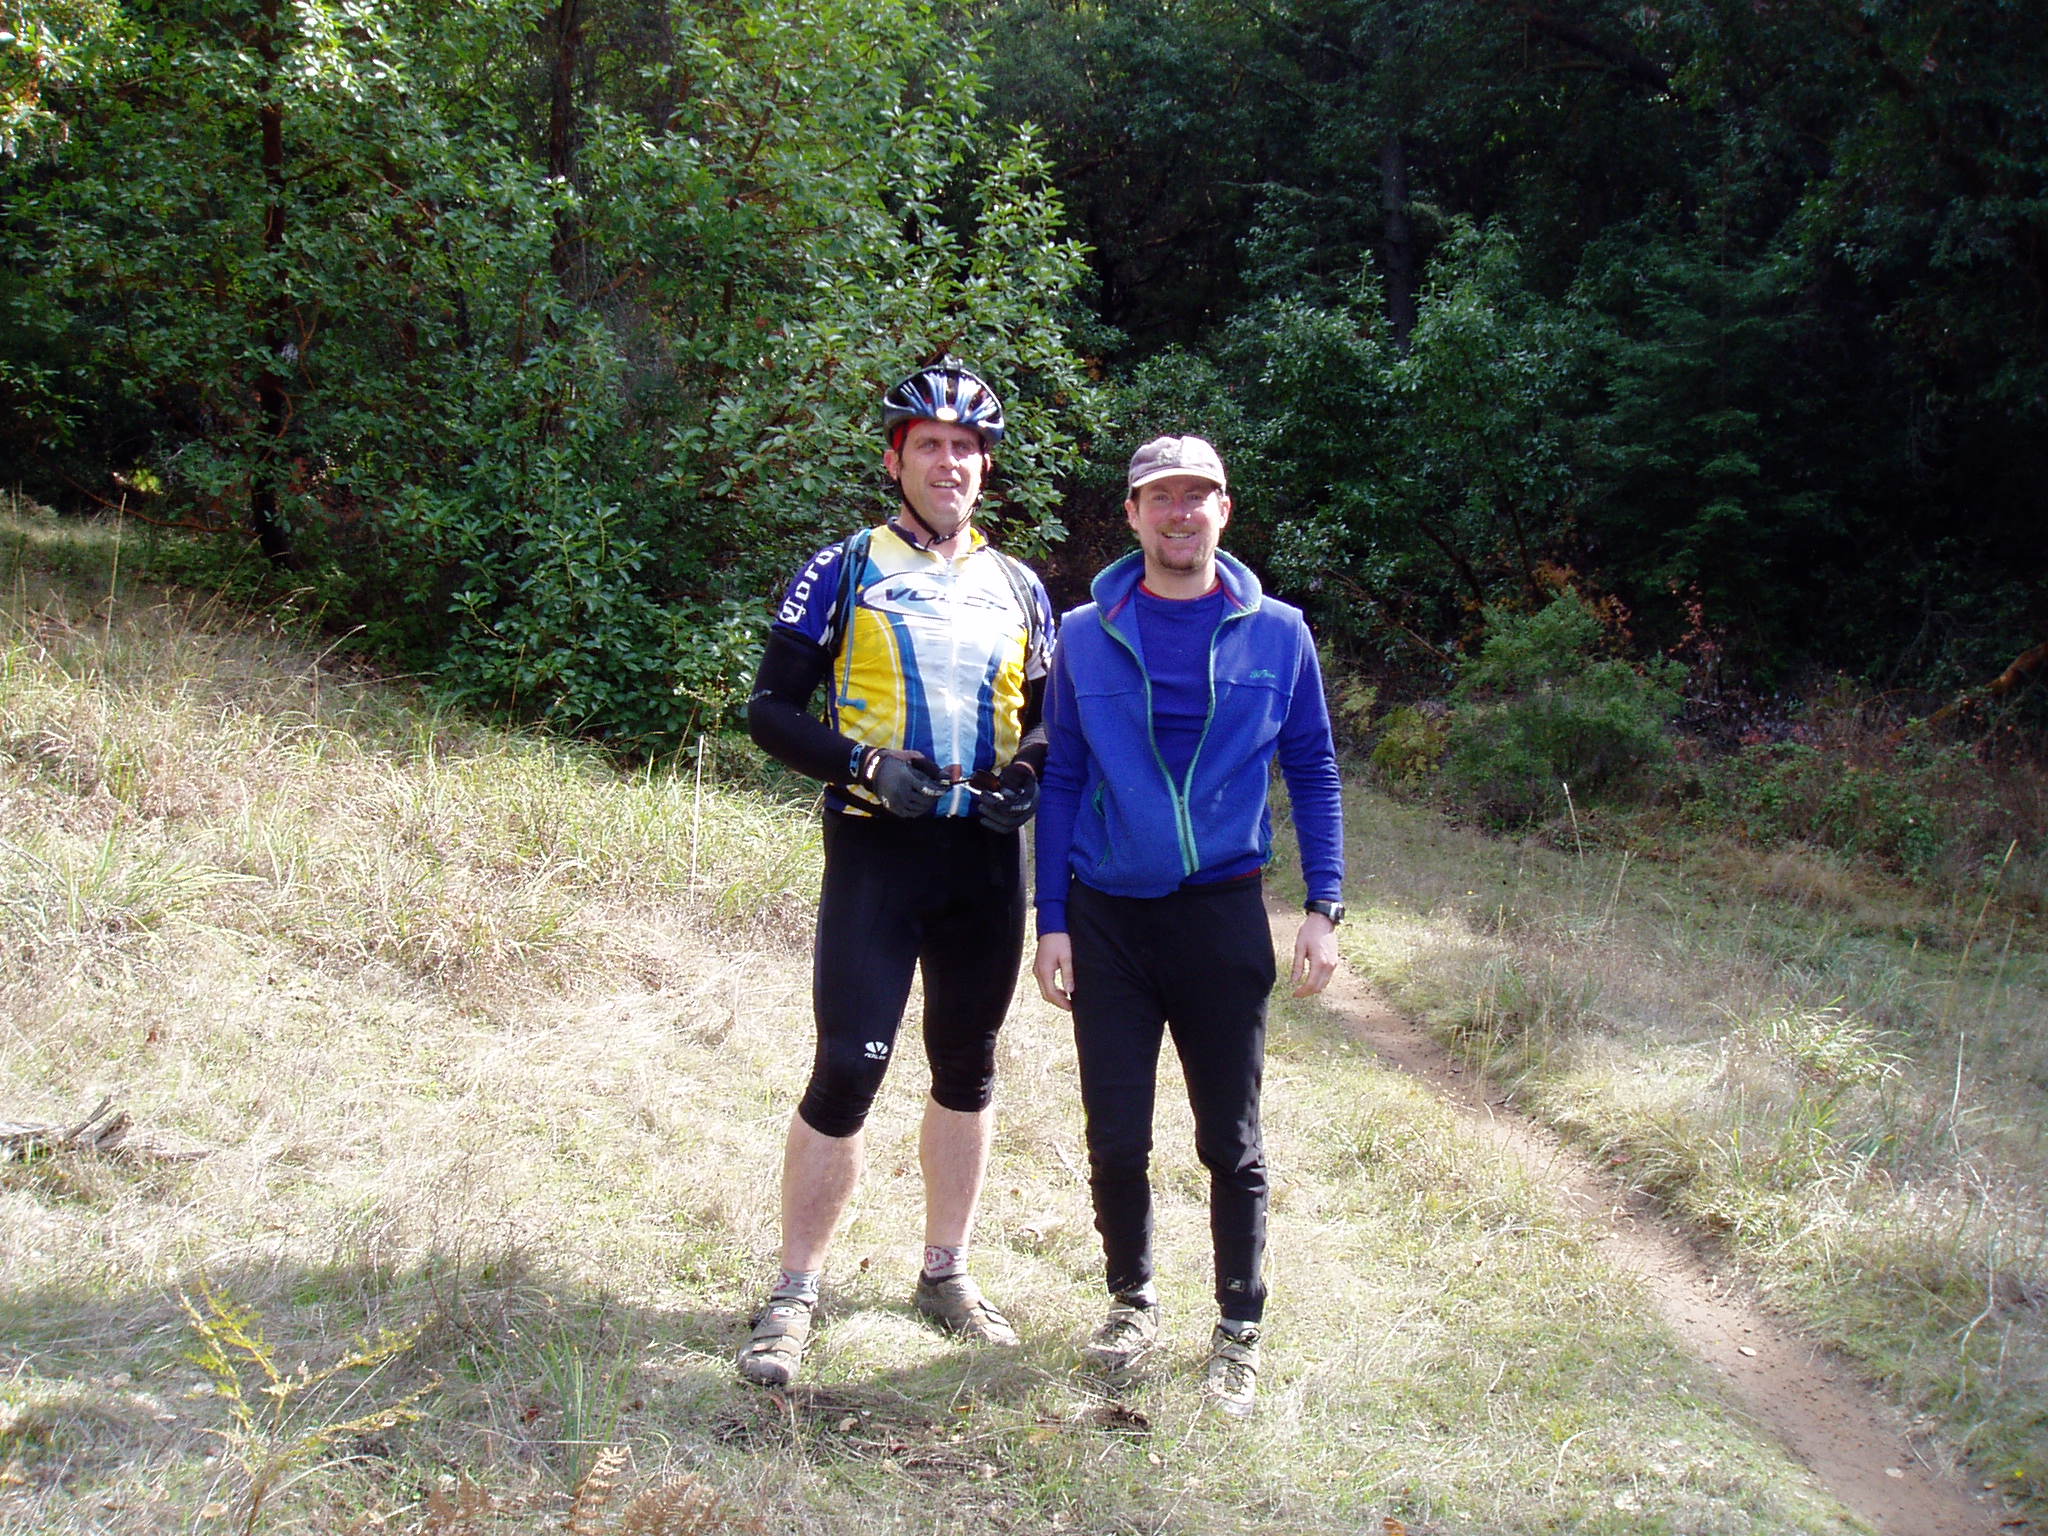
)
(940, 468)
(1178, 521)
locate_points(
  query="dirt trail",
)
(1855, 1442)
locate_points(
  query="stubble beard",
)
(1184, 557)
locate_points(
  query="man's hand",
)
(907, 783)
(1054, 968)
(1011, 803)
(1315, 955)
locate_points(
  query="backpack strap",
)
(853, 550)
(1035, 658)
(853, 556)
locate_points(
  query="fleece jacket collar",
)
(1116, 584)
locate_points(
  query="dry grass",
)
(493, 1046)
(1844, 1085)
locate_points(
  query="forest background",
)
(1646, 404)
(537, 342)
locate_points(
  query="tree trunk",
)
(2024, 666)
(273, 402)
(565, 254)
(1400, 240)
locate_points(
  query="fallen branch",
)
(2023, 666)
(104, 1131)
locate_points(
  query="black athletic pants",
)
(942, 893)
(1198, 963)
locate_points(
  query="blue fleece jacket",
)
(1111, 815)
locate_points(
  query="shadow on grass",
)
(518, 1377)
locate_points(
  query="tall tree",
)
(548, 381)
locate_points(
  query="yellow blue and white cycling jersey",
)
(936, 654)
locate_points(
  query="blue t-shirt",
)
(1176, 635)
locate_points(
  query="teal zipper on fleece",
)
(1176, 794)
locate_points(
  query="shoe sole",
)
(972, 1332)
(1119, 1364)
(763, 1371)
(970, 1325)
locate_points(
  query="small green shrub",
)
(1928, 810)
(1410, 748)
(1540, 707)
(1353, 704)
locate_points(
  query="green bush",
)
(1925, 809)
(1410, 748)
(550, 432)
(1540, 708)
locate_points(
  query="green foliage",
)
(1932, 811)
(1540, 708)
(1159, 122)
(1772, 342)
(1616, 293)
(1410, 748)
(1393, 489)
(47, 46)
(1353, 703)
(1719, 463)
(549, 393)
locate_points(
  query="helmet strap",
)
(897, 436)
(936, 537)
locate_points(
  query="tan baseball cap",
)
(1165, 456)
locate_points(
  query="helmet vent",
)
(946, 392)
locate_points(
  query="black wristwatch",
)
(1333, 910)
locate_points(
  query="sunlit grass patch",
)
(493, 1043)
(476, 855)
(1835, 1083)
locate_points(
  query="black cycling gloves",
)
(1011, 803)
(906, 786)
(911, 784)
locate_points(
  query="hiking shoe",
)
(1125, 1337)
(1231, 1378)
(781, 1329)
(959, 1308)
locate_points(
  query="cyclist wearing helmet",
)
(935, 648)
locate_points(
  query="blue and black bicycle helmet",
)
(944, 391)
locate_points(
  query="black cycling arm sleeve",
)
(1032, 748)
(778, 711)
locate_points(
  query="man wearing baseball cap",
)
(1171, 695)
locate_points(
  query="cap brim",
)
(1169, 472)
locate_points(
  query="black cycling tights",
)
(944, 893)
(1197, 965)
